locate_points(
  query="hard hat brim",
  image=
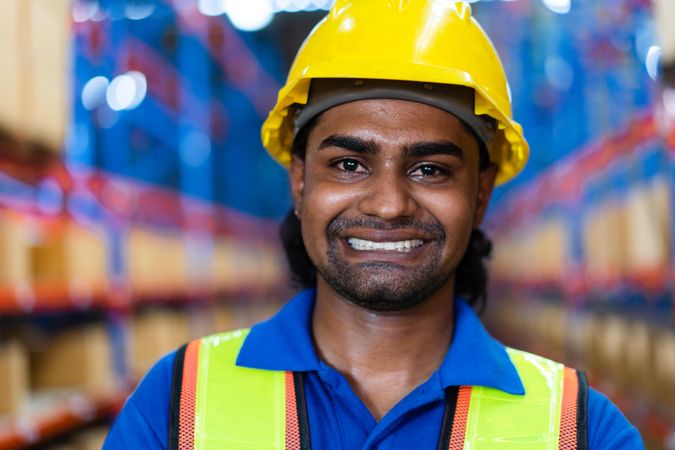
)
(509, 149)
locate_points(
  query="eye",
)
(428, 170)
(350, 165)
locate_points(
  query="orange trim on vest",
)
(188, 397)
(568, 413)
(461, 416)
(292, 423)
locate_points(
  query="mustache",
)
(431, 228)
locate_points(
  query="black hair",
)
(471, 275)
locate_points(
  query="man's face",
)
(388, 194)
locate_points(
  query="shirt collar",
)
(475, 358)
(284, 342)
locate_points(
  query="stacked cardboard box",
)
(224, 319)
(157, 263)
(604, 239)
(78, 358)
(649, 239)
(551, 250)
(608, 344)
(34, 44)
(224, 266)
(551, 325)
(664, 368)
(14, 370)
(153, 334)
(272, 264)
(14, 255)
(91, 439)
(72, 255)
(638, 357)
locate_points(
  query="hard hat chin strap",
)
(325, 93)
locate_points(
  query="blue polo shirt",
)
(337, 417)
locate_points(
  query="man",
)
(396, 124)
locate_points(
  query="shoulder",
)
(145, 415)
(608, 429)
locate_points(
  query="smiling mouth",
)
(392, 246)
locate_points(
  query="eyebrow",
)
(423, 149)
(417, 150)
(350, 143)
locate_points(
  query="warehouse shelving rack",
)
(126, 203)
(72, 412)
(616, 324)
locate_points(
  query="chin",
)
(383, 289)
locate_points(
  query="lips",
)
(401, 246)
(372, 238)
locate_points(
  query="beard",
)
(383, 286)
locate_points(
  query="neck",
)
(383, 355)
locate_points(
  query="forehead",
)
(393, 121)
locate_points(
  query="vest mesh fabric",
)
(568, 413)
(188, 397)
(292, 423)
(461, 415)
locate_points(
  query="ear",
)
(486, 184)
(296, 175)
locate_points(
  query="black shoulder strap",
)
(301, 405)
(451, 394)
(582, 412)
(174, 405)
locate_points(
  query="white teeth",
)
(399, 246)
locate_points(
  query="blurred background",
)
(138, 208)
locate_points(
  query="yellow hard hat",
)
(430, 41)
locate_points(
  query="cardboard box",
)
(155, 334)
(224, 319)
(648, 243)
(34, 69)
(14, 372)
(577, 338)
(71, 255)
(553, 323)
(604, 238)
(249, 266)
(664, 367)
(610, 343)
(157, 263)
(91, 439)
(78, 358)
(592, 332)
(14, 254)
(274, 267)
(223, 267)
(10, 72)
(638, 368)
(48, 71)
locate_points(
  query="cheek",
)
(322, 203)
(452, 206)
(454, 211)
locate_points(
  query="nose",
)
(387, 196)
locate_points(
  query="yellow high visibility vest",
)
(218, 405)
